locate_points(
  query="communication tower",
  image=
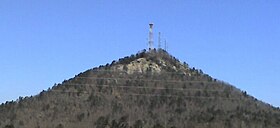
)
(151, 36)
(165, 45)
(159, 41)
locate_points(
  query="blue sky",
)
(44, 42)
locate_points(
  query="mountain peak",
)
(155, 61)
(147, 89)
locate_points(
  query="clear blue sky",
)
(43, 42)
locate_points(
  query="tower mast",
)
(165, 45)
(151, 36)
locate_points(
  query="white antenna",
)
(159, 41)
(151, 36)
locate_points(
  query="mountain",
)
(150, 89)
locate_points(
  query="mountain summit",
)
(150, 89)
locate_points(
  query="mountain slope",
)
(148, 89)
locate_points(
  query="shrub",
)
(80, 117)
(158, 126)
(9, 126)
(138, 124)
(122, 123)
(59, 126)
(102, 122)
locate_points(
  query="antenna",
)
(151, 36)
(165, 45)
(159, 41)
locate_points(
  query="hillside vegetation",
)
(150, 89)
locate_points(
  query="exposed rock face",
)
(155, 63)
(147, 90)
(141, 65)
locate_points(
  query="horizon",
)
(46, 42)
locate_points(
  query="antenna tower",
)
(159, 41)
(165, 45)
(151, 36)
